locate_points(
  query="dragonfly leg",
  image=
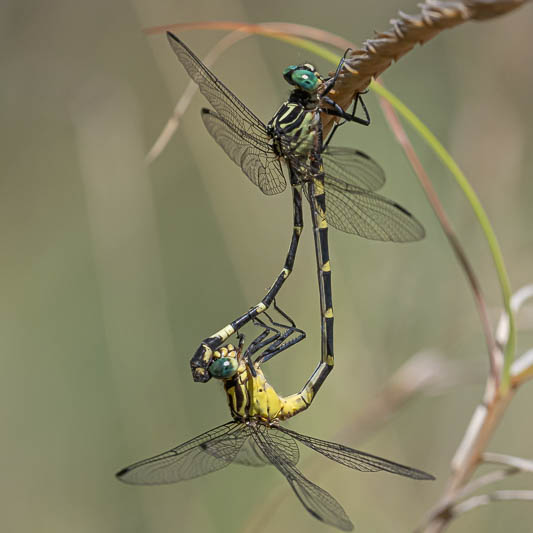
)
(240, 338)
(330, 82)
(284, 315)
(337, 111)
(281, 344)
(347, 117)
(261, 340)
(203, 356)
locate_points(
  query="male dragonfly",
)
(293, 140)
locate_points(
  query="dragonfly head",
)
(305, 77)
(225, 362)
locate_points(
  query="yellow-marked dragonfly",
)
(255, 436)
(291, 144)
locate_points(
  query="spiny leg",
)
(202, 358)
(245, 356)
(336, 110)
(281, 344)
(330, 83)
(284, 315)
(347, 117)
(276, 343)
(261, 340)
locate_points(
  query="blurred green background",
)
(112, 272)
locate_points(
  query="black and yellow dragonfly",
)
(292, 144)
(255, 436)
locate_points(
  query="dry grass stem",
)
(485, 499)
(378, 53)
(485, 420)
(495, 352)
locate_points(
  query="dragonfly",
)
(255, 436)
(291, 145)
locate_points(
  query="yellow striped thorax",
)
(294, 127)
(251, 398)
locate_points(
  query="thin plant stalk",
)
(480, 213)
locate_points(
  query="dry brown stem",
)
(485, 420)
(485, 499)
(495, 353)
(406, 31)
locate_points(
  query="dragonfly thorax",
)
(250, 396)
(294, 129)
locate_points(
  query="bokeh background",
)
(112, 272)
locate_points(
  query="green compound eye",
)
(289, 69)
(305, 79)
(224, 368)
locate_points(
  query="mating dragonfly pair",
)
(342, 179)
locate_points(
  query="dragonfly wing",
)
(364, 462)
(256, 159)
(251, 455)
(220, 97)
(354, 210)
(354, 167)
(316, 500)
(206, 453)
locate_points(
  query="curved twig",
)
(485, 499)
(523, 465)
(485, 420)
(495, 353)
(406, 31)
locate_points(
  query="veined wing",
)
(316, 500)
(353, 167)
(220, 97)
(257, 159)
(356, 459)
(365, 213)
(251, 455)
(206, 453)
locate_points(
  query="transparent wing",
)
(257, 160)
(206, 453)
(354, 167)
(355, 459)
(251, 455)
(228, 106)
(353, 210)
(316, 500)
